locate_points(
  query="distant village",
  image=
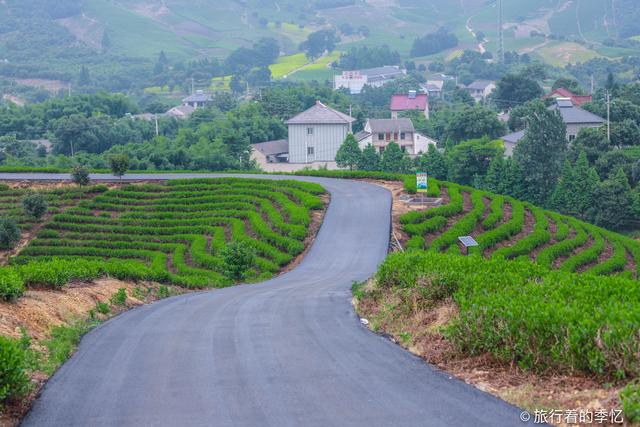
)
(315, 135)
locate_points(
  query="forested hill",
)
(119, 38)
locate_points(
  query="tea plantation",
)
(172, 233)
(508, 228)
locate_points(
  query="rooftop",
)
(571, 114)
(271, 148)
(578, 100)
(390, 125)
(320, 114)
(404, 102)
(198, 96)
(387, 70)
(480, 84)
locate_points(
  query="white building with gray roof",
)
(574, 117)
(315, 135)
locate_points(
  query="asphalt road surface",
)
(287, 352)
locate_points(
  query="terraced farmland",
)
(58, 199)
(508, 228)
(176, 231)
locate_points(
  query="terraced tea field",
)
(505, 227)
(176, 231)
(57, 198)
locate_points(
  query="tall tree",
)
(614, 202)
(349, 154)
(541, 152)
(576, 189)
(514, 89)
(394, 159)
(84, 79)
(471, 158)
(370, 159)
(433, 162)
(319, 42)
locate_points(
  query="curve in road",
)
(287, 352)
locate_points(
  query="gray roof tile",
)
(320, 114)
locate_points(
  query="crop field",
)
(173, 233)
(507, 228)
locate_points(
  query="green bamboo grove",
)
(172, 233)
(508, 228)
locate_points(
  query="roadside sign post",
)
(422, 184)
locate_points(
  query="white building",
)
(574, 117)
(356, 80)
(315, 135)
(481, 89)
(380, 132)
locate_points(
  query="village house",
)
(578, 100)
(270, 152)
(412, 101)
(315, 135)
(574, 117)
(199, 99)
(180, 112)
(380, 132)
(481, 89)
(356, 80)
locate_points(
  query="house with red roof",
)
(412, 101)
(578, 100)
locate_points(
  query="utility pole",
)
(609, 117)
(69, 90)
(192, 86)
(592, 85)
(155, 116)
(500, 33)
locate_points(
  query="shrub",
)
(11, 284)
(520, 311)
(80, 176)
(9, 233)
(14, 381)
(119, 163)
(630, 397)
(238, 259)
(35, 205)
(119, 298)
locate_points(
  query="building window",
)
(395, 136)
(310, 151)
(404, 149)
(388, 136)
(381, 150)
(309, 131)
(380, 136)
(403, 136)
(572, 137)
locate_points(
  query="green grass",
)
(560, 54)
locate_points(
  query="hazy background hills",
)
(119, 38)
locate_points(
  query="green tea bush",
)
(35, 205)
(520, 311)
(9, 233)
(238, 259)
(630, 397)
(11, 284)
(14, 381)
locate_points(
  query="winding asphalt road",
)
(287, 352)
